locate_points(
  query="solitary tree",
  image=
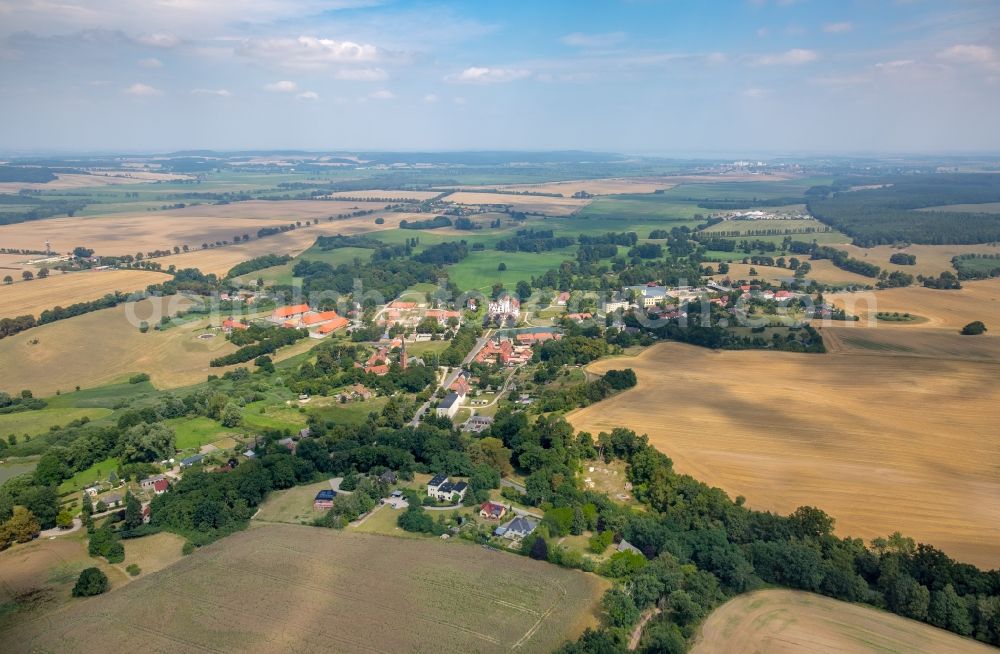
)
(43, 273)
(974, 328)
(91, 582)
(8, 280)
(27, 276)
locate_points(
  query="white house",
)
(442, 489)
(449, 405)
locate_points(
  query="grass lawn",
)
(351, 413)
(97, 472)
(763, 190)
(108, 396)
(274, 417)
(283, 274)
(479, 271)
(11, 469)
(38, 422)
(292, 505)
(192, 433)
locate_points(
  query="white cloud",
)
(308, 95)
(152, 62)
(895, 64)
(982, 55)
(792, 57)
(486, 75)
(762, 32)
(222, 93)
(838, 28)
(362, 74)
(459, 100)
(754, 93)
(384, 94)
(284, 86)
(140, 90)
(308, 52)
(158, 40)
(430, 98)
(581, 40)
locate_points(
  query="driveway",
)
(56, 531)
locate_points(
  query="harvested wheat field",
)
(290, 588)
(932, 260)
(63, 289)
(74, 181)
(882, 444)
(550, 206)
(377, 195)
(106, 346)
(949, 310)
(128, 233)
(790, 622)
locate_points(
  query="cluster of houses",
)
(503, 352)
(410, 314)
(378, 363)
(300, 316)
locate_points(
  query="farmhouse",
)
(230, 323)
(441, 488)
(192, 460)
(324, 499)
(283, 314)
(149, 482)
(161, 486)
(449, 406)
(517, 528)
(492, 511)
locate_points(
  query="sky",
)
(664, 77)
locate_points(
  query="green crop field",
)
(479, 270)
(763, 190)
(350, 413)
(283, 588)
(274, 417)
(97, 472)
(38, 422)
(192, 433)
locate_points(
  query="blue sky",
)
(667, 77)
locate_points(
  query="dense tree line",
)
(627, 239)
(903, 259)
(389, 278)
(532, 240)
(844, 261)
(443, 254)
(461, 344)
(431, 223)
(341, 241)
(888, 214)
(258, 263)
(976, 266)
(275, 338)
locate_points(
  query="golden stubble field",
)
(625, 185)
(791, 622)
(128, 233)
(932, 260)
(74, 181)
(550, 206)
(882, 443)
(385, 195)
(63, 289)
(290, 588)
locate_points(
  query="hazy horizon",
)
(739, 78)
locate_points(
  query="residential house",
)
(149, 482)
(504, 307)
(443, 315)
(113, 500)
(626, 546)
(230, 323)
(289, 444)
(530, 338)
(449, 406)
(562, 299)
(324, 499)
(461, 386)
(250, 454)
(192, 460)
(579, 317)
(517, 528)
(161, 486)
(492, 511)
(443, 489)
(146, 513)
(92, 491)
(388, 477)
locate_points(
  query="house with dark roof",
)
(626, 546)
(449, 405)
(324, 499)
(192, 460)
(517, 528)
(444, 490)
(113, 500)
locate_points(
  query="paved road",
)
(450, 378)
(56, 531)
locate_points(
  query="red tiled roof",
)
(161, 485)
(316, 318)
(334, 325)
(402, 305)
(285, 312)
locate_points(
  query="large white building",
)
(505, 306)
